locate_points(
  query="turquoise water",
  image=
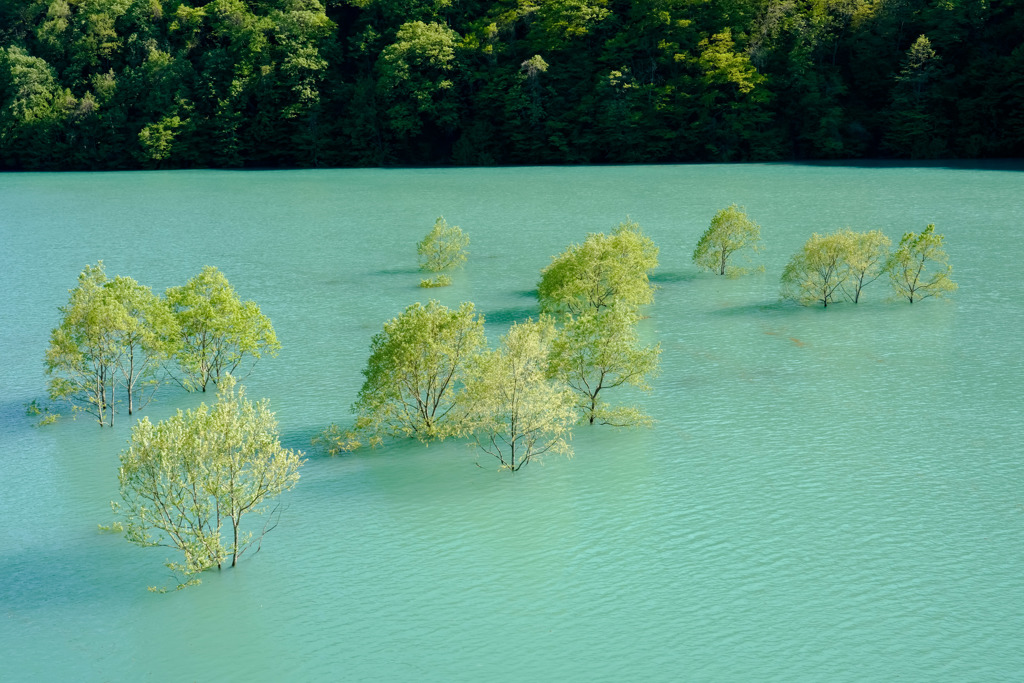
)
(827, 495)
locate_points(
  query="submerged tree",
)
(919, 268)
(816, 273)
(148, 336)
(416, 365)
(187, 477)
(730, 231)
(219, 331)
(866, 258)
(599, 351)
(113, 333)
(443, 248)
(84, 350)
(604, 270)
(515, 413)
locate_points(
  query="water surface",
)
(827, 495)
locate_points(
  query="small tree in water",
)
(730, 231)
(416, 366)
(516, 414)
(220, 333)
(919, 268)
(444, 248)
(598, 351)
(817, 273)
(112, 333)
(186, 477)
(605, 270)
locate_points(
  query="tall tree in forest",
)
(917, 124)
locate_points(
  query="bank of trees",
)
(164, 83)
(117, 340)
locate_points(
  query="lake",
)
(826, 494)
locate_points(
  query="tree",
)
(604, 270)
(416, 77)
(188, 477)
(444, 248)
(919, 268)
(598, 351)
(818, 271)
(517, 414)
(918, 126)
(112, 333)
(866, 258)
(218, 330)
(147, 337)
(416, 365)
(84, 350)
(729, 232)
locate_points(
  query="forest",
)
(124, 84)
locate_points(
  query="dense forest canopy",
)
(90, 84)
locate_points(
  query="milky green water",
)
(827, 495)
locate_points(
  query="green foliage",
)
(113, 333)
(438, 281)
(416, 365)
(220, 333)
(598, 351)
(187, 482)
(866, 258)
(841, 263)
(604, 270)
(45, 415)
(443, 248)
(515, 413)
(157, 139)
(915, 127)
(919, 268)
(415, 77)
(730, 231)
(140, 83)
(817, 273)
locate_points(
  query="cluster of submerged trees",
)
(431, 375)
(116, 334)
(187, 481)
(837, 265)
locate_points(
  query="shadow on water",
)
(947, 164)
(514, 314)
(673, 277)
(397, 271)
(780, 306)
(527, 293)
(75, 574)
